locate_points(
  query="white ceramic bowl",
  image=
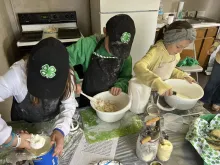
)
(122, 101)
(194, 91)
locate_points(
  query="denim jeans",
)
(212, 88)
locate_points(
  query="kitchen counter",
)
(199, 25)
(183, 154)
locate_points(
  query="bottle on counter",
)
(170, 19)
(180, 10)
(160, 13)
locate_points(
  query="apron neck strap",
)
(99, 44)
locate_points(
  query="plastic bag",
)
(188, 61)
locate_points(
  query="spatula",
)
(174, 93)
(89, 97)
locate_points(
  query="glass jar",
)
(147, 151)
(152, 110)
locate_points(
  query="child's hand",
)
(115, 91)
(24, 141)
(57, 138)
(78, 89)
(190, 80)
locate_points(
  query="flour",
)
(105, 106)
(37, 141)
(104, 126)
(183, 96)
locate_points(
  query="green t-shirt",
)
(80, 53)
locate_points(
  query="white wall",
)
(189, 5)
(213, 9)
(81, 7)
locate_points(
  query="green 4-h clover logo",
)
(48, 71)
(125, 37)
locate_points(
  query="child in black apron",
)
(106, 60)
(42, 88)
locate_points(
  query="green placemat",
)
(96, 130)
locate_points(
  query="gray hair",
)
(176, 35)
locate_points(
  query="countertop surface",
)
(199, 25)
(183, 153)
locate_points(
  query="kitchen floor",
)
(203, 79)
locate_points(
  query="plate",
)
(108, 162)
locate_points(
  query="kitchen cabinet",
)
(190, 53)
(204, 57)
(200, 32)
(204, 40)
(211, 32)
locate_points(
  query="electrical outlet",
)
(201, 13)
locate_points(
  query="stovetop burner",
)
(31, 36)
(67, 33)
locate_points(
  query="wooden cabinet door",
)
(189, 53)
(212, 31)
(198, 45)
(204, 57)
(186, 53)
(200, 33)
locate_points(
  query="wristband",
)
(57, 129)
(11, 141)
(19, 141)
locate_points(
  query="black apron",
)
(101, 75)
(46, 110)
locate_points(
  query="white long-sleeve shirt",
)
(5, 131)
(14, 83)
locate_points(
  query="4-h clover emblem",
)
(48, 71)
(125, 37)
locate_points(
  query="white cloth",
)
(5, 131)
(14, 83)
(165, 70)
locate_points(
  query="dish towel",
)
(188, 61)
(197, 135)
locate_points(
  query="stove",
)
(37, 26)
(31, 36)
(65, 33)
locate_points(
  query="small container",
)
(173, 122)
(47, 159)
(156, 163)
(147, 151)
(170, 19)
(152, 110)
(164, 151)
